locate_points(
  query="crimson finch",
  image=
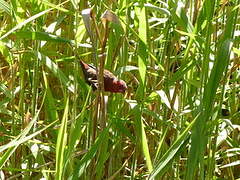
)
(111, 82)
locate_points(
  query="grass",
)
(179, 118)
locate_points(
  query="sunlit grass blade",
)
(142, 65)
(145, 147)
(198, 140)
(179, 14)
(141, 11)
(13, 145)
(4, 89)
(49, 102)
(165, 161)
(74, 137)
(55, 70)
(20, 25)
(23, 133)
(21, 138)
(103, 156)
(86, 159)
(5, 7)
(43, 36)
(141, 137)
(61, 143)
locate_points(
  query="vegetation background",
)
(179, 118)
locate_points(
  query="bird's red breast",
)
(111, 82)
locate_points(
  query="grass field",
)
(180, 115)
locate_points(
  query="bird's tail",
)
(84, 65)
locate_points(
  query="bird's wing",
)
(90, 75)
(109, 75)
(92, 66)
(91, 78)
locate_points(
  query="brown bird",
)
(111, 83)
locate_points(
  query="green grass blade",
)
(61, 143)
(55, 70)
(5, 7)
(49, 102)
(85, 161)
(174, 150)
(198, 138)
(75, 136)
(43, 36)
(20, 25)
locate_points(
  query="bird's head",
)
(119, 86)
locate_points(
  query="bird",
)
(111, 82)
